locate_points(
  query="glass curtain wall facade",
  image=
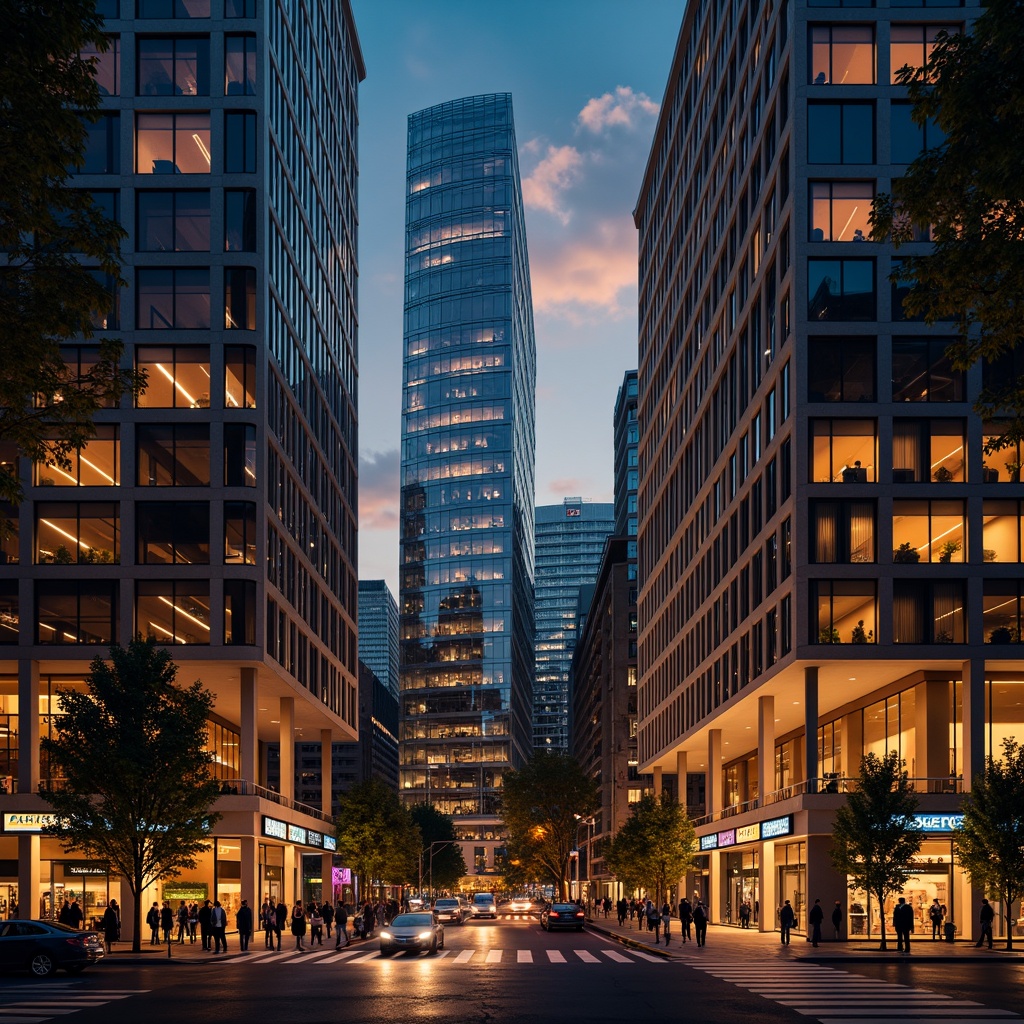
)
(378, 632)
(570, 539)
(466, 559)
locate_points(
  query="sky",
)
(586, 78)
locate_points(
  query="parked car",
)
(562, 915)
(417, 932)
(44, 946)
(449, 910)
(485, 905)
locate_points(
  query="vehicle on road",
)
(416, 932)
(484, 905)
(452, 911)
(567, 916)
(44, 946)
(520, 905)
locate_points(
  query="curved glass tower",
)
(466, 569)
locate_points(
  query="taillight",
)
(553, 913)
(76, 941)
(580, 913)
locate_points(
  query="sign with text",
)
(27, 822)
(938, 822)
(274, 828)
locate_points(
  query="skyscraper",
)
(216, 514)
(378, 632)
(466, 560)
(570, 538)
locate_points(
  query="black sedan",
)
(43, 946)
(562, 915)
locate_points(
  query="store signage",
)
(277, 829)
(727, 838)
(330, 843)
(188, 891)
(771, 829)
(274, 828)
(85, 869)
(938, 822)
(748, 834)
(28, 822)
(314, 838)
(571, 512)
(709, 842)
(775, 827)
(296, 834)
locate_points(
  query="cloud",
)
(556, 173)
(624, 109)
(379, 490)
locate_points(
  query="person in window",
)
(858, 235)
(819, 78)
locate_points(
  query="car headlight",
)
(424, 935)
(385, 935)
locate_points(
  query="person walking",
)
(621, 910)
(369, 920)
(653, 921)
(666, 921)
(299, 926)
(153, 920)
(167, 921)
(243, 922)
(837, 919)
(986, 917)
(204, 924)
(700, 923)
(316, 926)
(744, 914)
(193, 922)
(76, 916)
(902, 924)
(268, 915)
(181, 917)
(935, 915)
(786, 921)
(340, 924)
(280, 918)
(815, 919)
(685, 918)
(219, 927)
(111, 925)
(327, 913)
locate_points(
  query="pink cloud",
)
(557, 172)
(379, 490)
(623, 108)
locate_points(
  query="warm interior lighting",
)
(198, 622)
(171, 378)
(202, 148)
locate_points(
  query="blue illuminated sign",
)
(938, 822)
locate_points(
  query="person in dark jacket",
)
(153, 920)
(327, 913)
(204, 924)
(369, 920)
(219, 927)
(985, 919)
(787, 918)
(700, 923)
(243, 922)
(280, 919)
(166, 920)
(341, 925)
(685, 918)
(76, 917)
(299, 926)
(815, 919)
(903, 924)
(111, 924)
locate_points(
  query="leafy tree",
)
(447, 865)
(990, 842)
(377, 836)
(874, 836)
(654, 847)
(970, 190)
(541, 807)
(137, 783)
(61, 249)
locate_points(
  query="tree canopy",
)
(62, 262)
(132, 755)
(989, 843)
(446, 866)
(542, 805)
(970, 190)
(874, 835)
(654, 847)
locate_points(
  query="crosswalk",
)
(33, 1004)
(839, 997)
(475, 957)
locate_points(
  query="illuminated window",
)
(69, 533)
(178, 377)
(172, 143)
(95, 464)
(173, 611)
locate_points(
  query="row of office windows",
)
(843, 132)
(177, 9)
(847, 54)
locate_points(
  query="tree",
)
(377, 836)
(541, 807)
(874, 836)
(132, 752)
(654, 847)
(62, 260)
(989, 843)
(446, 865)
(970, 190)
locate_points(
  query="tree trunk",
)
(136, 888)
(1009, 922)
(881, 919)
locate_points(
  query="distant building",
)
(627, 471)
(378, 632)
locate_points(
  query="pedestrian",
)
(268, 915)
(700, 923)
(368, 920)
(299, 926)
(814, 919)
(111, 925)
(62, 917)
(837, 919)
(902, 924)
(340, 925)
(327, 912)
(685, 918)
(607, 905)
(243, 922)
(280, 918)
(316, 926)
(167, 921)
(744, 914)
(653, 921)
(76, 916)
(219, 927)
(193, 922)
(153, 920)
(935, 915)
(786, 921)
(986, 917)
(181, 917)
(204, 923)
(666, 920)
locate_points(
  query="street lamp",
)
(439, 844)
(589, 822)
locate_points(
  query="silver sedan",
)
(416, 932)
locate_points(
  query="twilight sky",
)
(586, 77)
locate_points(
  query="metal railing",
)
(242, 787)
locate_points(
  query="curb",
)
(631, 943)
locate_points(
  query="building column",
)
(853, 744)
(973, 762)
(326, 805)
(250, 854)
(766, 888)
(765, 747)
(248, 740)
(931, 730)
(28, 731)
(657, 782)
(811, 727)
(681, 800)
(291, 882)
(713, 780)
(28, 876)
(286, 736)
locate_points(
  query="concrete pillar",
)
(716, 875)
(657, 782)
(811, 727)
(326, 772)
(681, 777)
(713, 783)
(286, 734)
(250, 854)
(28, 731)
(852, 744)
(28, 876)
(248, 742)
(766, 888)
(765, 747)
(291, 883)
(932, 709)
(974, 720)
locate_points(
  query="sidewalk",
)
(188, 953)
(742, 944)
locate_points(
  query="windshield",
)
(446, 903)
(412, 921)
(483, 899)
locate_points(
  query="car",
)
(484, 905)
(520, 905)
(451, 910)
(44, 946)
(416, 932)
(562, 915)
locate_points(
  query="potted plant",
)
(828, 635)
(989, 554)
(1013, 468)
(906, 553)
(859, 636)
(943, 475)
(948, 550)
(943, 637)
(989, 476)
(1000, 635)
(62, 556)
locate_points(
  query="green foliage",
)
(132, 753)
(654, 847)
(989, 843)
(60, 247)
(971, 191)
(377, 836)
(541, 807)
(448, 864)
(874, 837)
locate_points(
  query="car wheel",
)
(42, 965)
(433, 946)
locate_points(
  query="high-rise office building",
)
(378, 632)
(466, 561)
(218, 513)
(627, 462)
(830, 567)
(569, 540)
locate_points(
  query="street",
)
(510, 971)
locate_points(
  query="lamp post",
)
(589, 822)
(438, 844)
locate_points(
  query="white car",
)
(484, 905)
